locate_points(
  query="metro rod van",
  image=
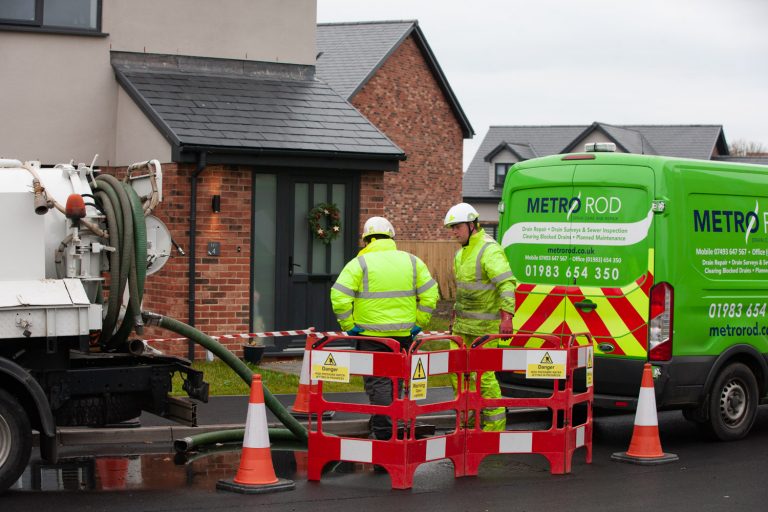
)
(660, 259)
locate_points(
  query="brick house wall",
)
(222, 302)
(404, 101)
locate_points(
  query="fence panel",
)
(438, 255)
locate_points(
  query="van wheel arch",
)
(746, 355)
(30, 395)
(699, 413)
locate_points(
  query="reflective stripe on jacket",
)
(484, 285)
(384, 291)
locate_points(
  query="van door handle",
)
(586, 305)
(291, 264)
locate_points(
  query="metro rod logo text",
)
(600, 204)
(729, 221)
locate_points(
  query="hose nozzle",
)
(151, 318)
(41, 202)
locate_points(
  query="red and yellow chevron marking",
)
(621, 315)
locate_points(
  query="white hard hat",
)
(378, 226)
(459, 213)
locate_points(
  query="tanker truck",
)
(78, 246)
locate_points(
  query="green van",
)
(662, 260)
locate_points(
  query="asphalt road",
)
(709, 476)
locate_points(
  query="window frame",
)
(36, 25)
(496, 165)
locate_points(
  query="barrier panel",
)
(551, 360)
(401, 454)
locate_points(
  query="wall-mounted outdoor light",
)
(216, 203)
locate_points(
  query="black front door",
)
(306, 266)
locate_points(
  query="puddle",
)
(153, 471)
(158, 471)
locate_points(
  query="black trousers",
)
(379, 389)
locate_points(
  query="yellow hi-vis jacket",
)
(384, 291)
(484, 285)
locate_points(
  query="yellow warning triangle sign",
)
(419, 373)
(547, 359)
(330, 361)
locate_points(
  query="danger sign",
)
(418, 390)
(545, 364)
(330, 366)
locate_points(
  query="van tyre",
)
(732, 403)
(15, 440)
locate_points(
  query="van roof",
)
(654, 161)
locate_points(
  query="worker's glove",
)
(506, 322)
(415, 330)
(453, 317)
(355, 331)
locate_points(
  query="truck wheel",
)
(732, 403)
(15, 440)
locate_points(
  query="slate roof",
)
(757, 159)
(521, 151)
(247, 107)
(685, 141)
(349, 54)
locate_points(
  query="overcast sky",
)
(555, 62)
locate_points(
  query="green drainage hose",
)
(233, 362)
(226, 436)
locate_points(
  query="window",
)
(62, 15)
(491, 228)
(500, 174)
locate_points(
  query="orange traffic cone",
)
(256, 475)
(300, 407)
(645, 447)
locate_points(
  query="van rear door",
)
(579, 237)
(611, 271)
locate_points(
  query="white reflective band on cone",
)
(359, 451)
(513, 442)
(646, 409)
(435, 448)
(256, 437)
(304, 377)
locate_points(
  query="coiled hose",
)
(245, 373)
(128, 262)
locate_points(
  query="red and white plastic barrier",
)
(400, 455)
(562, 438)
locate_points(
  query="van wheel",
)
(732, 403)
(15, 440)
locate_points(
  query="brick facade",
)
(404, 101)
(222, 299)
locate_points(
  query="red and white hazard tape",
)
(275, 334)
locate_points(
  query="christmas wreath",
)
(325, 222)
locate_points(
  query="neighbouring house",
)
(505, 145)
(249, 139)
(388, 71)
